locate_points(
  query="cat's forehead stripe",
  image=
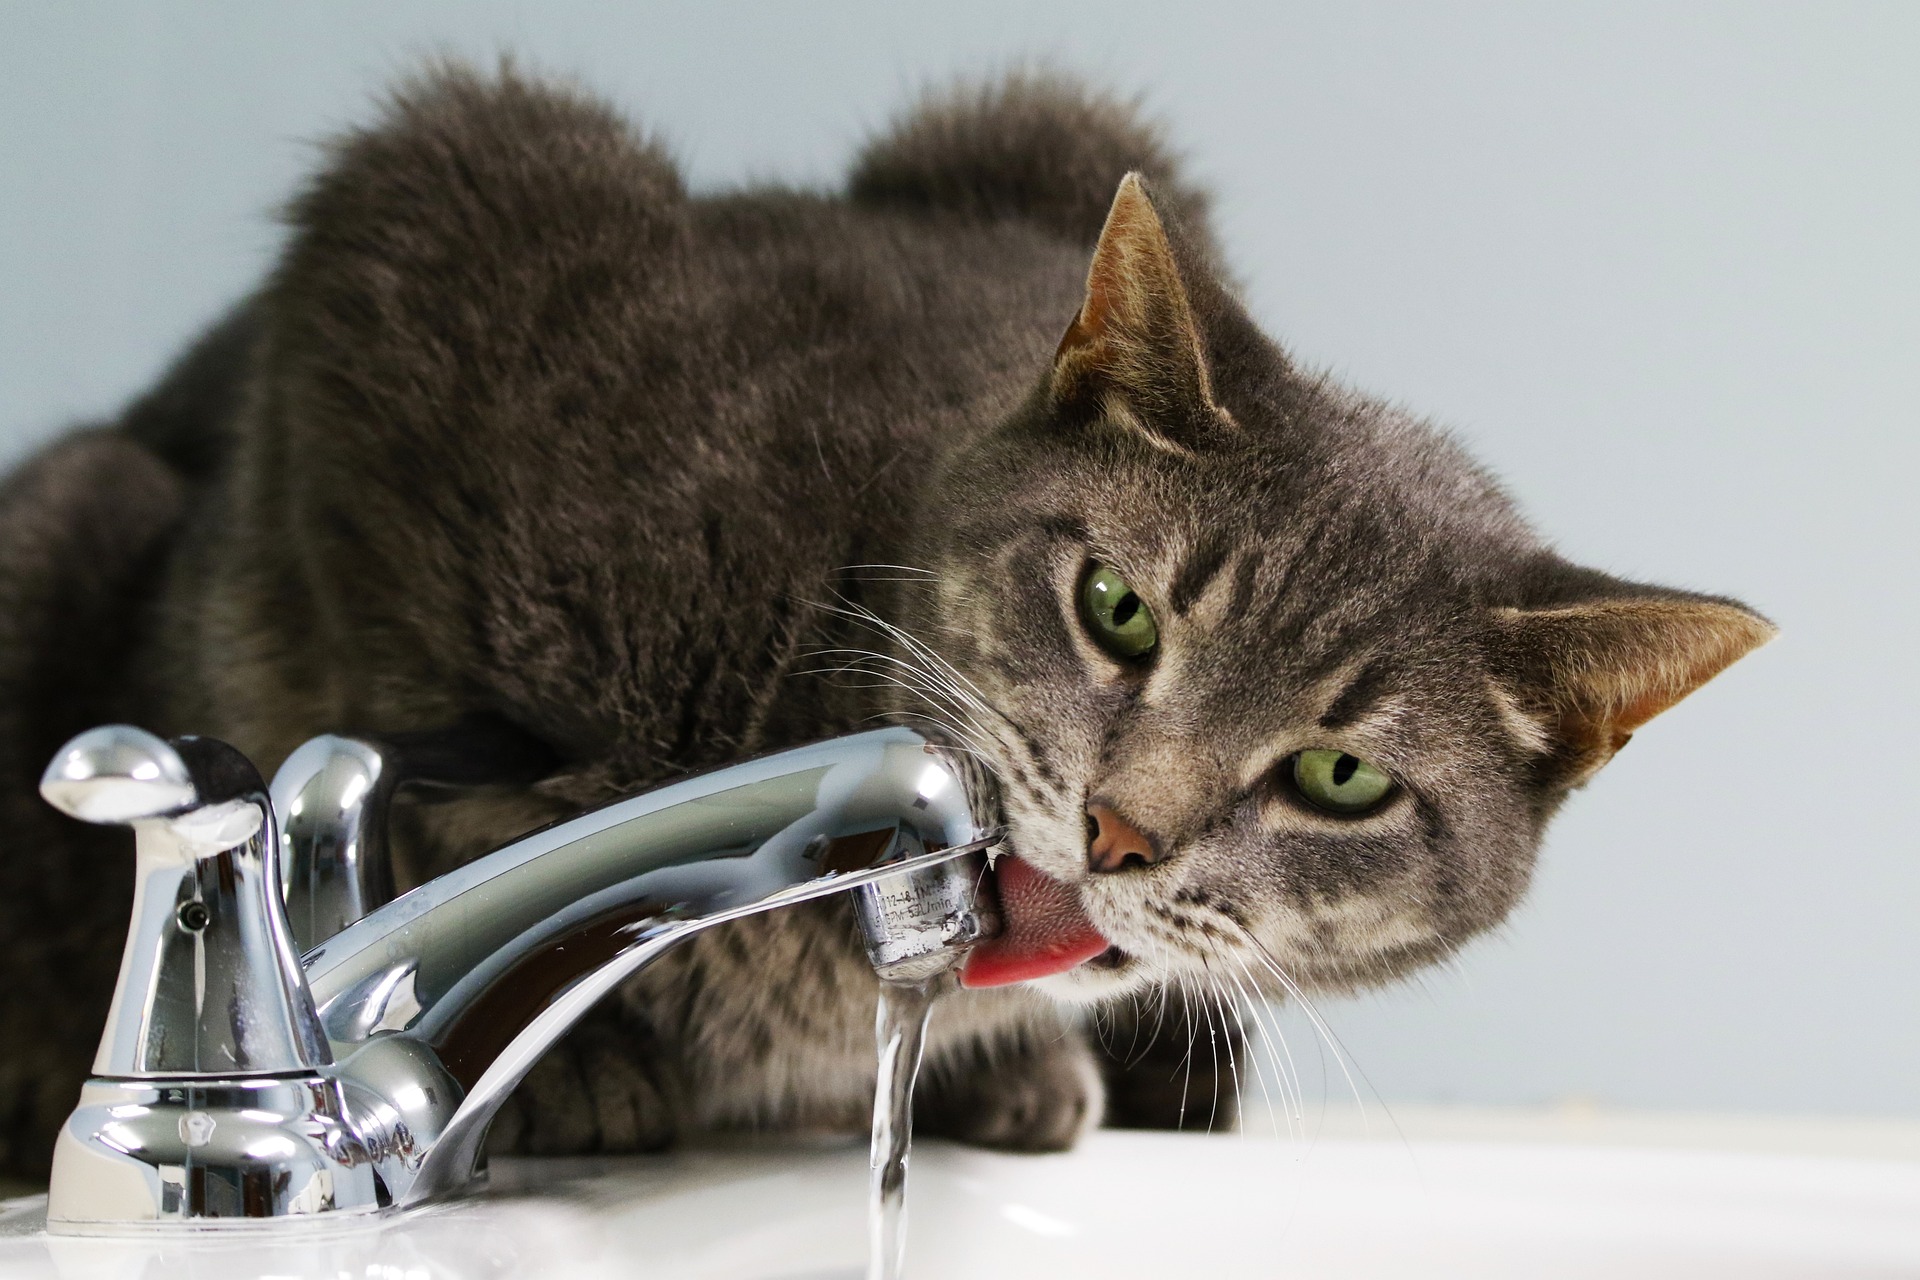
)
(1359, 699)
(1196, 573)
(1246, 578)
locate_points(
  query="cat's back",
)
(513, 261)
(524, 257)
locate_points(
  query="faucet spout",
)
(478, 973)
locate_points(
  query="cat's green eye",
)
(1115, 615)
(1339, 782)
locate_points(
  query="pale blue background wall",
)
(1660, 264)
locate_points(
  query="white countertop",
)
(1467, 1193)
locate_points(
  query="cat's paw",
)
(1024, 1096)
(602, 1089)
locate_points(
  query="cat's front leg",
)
(1025, 1090)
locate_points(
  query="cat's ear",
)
(1586, 675)
(1133, 352)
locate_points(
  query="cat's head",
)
(1272, 675)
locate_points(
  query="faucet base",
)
(207, 1153)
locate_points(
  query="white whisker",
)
(1291, 1106)
(904, 568)
(1233, 1056)
(1333, 1042)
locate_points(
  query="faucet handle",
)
(117, 774)
(332, 795)
(209, 982)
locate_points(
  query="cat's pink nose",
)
(1114, 844)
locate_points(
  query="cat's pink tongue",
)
(1043, 929)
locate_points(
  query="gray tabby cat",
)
(521, 439)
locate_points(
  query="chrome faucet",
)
(238, 1080)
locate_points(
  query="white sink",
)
(1123, 1205)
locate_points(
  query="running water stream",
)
(900, 1029)
(919, 927)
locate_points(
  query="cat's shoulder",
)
(463, 165)
(1041, 147)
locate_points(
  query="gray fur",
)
(520, 429)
